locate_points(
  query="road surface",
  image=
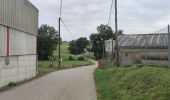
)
(70, 84)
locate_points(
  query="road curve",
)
(70, 84)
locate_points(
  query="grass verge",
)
(133, 83)
(44, 66)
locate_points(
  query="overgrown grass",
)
(133, 83)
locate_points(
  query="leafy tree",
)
(72, 47)
(104, 33)
(77, 46)
(47, 41)
(97, 45)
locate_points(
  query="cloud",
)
(83, 16)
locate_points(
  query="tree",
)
(47, 41)
(72, 47)
(97, 45)
(104, 33)
(77, 46)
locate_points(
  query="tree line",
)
(48, 40)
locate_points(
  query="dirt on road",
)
(70, 84)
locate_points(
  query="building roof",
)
(143, 41)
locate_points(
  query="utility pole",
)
(59, 46)
(116, 32)
(168, 45)
(59, 31)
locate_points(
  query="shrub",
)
(12, 84)
(70, 58)
(81, 58)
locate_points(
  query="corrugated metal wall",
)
(19, 14)
(3, 41)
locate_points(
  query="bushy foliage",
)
(77, 46)
(81, 58)
(104, 33)
(47, 41)
(71, 58)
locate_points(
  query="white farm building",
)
(18, 40)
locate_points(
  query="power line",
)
(111, 8)
(67, 29)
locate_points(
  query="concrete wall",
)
(22, 56)
(20, 68)
(18, 31)
(20, 43)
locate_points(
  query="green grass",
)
(64, 51)
(44, 66)
(66, 64)
(133, 83)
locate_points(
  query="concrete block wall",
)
(20, 68)
(21, 55)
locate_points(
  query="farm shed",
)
(143, 49)
(18, 40)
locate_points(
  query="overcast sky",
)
(83, 16)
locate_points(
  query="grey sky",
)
(83, 16)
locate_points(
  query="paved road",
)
(71, 84)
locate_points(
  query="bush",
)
(70, 58)
(81, 58)
(12, 84)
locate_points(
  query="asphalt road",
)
(70, 84)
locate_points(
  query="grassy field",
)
(133, 83)
(64, 51)
(66, 64)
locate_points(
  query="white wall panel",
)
(22, 43)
